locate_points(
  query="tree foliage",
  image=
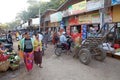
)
(35, 6)
(3, 26)
(33, 10)
(14, 24)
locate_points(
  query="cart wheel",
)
(58, 51)
(85, 56)
(101, 54)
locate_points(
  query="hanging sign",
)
(85, 19)
(65, 13)
(94, 5)
(62, 24)
(84, 32)
(95, 18)
(73, 21)
(77, 8)
(36, 21)
(56, 17)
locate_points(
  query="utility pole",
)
(39, 20)
(102, 16)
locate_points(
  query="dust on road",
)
(68, 68)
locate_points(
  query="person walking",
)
(38, 51)
(27, 47)
(45, 39)
(9, 38)
(40, 36)
(55, 38)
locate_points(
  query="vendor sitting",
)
(1, 49)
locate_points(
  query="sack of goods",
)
(108, 48)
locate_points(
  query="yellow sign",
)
(85, 19)
(79, 6)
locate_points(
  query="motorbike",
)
(60, 48)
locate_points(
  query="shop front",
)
(87, 24)
(116, 19)
(74, 29)
(116, 31)
(55, 20)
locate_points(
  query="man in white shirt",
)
(63, 40)
(40, 36)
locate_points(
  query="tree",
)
(23, 16)
(3, 26)
(35, 6)
(13, 24)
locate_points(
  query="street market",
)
(62, 40)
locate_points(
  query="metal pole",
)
(39, 19)
(44, 25)
(102, 16)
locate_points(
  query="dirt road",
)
(68, 68)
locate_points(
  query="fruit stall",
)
(9, 59)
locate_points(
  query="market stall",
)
(8, 57)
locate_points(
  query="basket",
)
(4, 66)
(14, 67)
(17, 62)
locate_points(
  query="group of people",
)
(31, 49)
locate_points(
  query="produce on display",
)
(9, 60)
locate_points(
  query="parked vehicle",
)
(60, 49)
(3, 38)
(93, 46)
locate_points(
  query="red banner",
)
(73, 21)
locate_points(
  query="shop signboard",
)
(35, 21)
(108, 17)
(84, 32)
(94, 5)
(73, 21)
(85, 19)
(114, 2)
(95, 18)
(65, 13)
(62, 24)
(56, 17)
(77, 8)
